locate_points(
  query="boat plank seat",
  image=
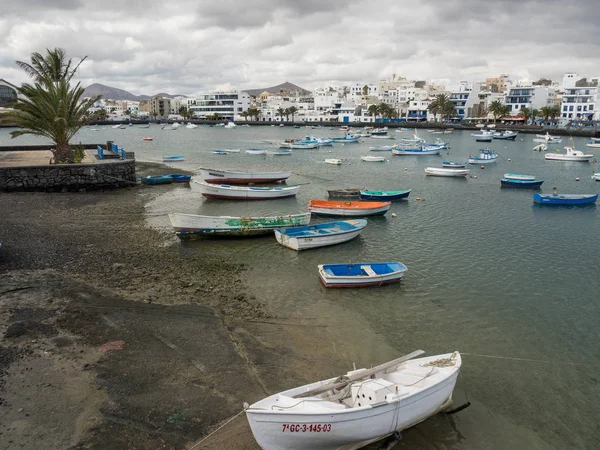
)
(369, 271)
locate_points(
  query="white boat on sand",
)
(357, 408)
(235, 177)
(570, 155)
(226, 191)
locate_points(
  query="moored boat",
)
(564, 199)
(334, 161)
(546, 138)
(483, 136)
(179, 177)
(593, 143)
(348, 208)
(235, 177)
(506, 135)
(570, 155)
(350, 192)
(596, 177)
(157, 179)
(187, 225)
(521, 184)
(486, 156)
(453, 165)
(172, 158)
(320, 235)
(283, 151)
(304, 145)
(519, 176)
(220, 152)
(256, 151)
(373, 158)
(419, 150)
(384, 195)
(226, 191)
(446, 172)
(361, 274)
(333, 414)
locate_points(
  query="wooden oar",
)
(344, 380)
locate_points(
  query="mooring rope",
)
(206, 437)
(531, 360)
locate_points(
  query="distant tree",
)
(244, 114)
(292, 110)
(439, 105)
(542, 82)
(448, 110)
(555, 112)
(525, 112)
(286, 113)
(280, 112)
(505, 111)
(497, 109)
(373, 110)
(50, 108)
(365, 90)
(154, 114)
(254, 113)
(545, 112)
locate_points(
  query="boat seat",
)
(369, 271)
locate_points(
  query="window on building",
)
(7, 95)
(591, 107)
(578, 107)
(564, 115)
(565, 108)
(570, 109)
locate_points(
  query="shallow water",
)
(489, 273)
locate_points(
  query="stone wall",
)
(69, 177)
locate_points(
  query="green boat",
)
(384, 195)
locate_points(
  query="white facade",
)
(580, 103)
(228, 105)
(569, 80)
(532, 97)
(418, 110)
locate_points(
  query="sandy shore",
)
(115, 336)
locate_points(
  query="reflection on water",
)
(489, 273)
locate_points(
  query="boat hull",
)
(359, 279)
(349, 209)
(191, 225)
(564, 199)
(345, 192)
(446, 172)
(315, 240)
(521, 184)
(563, 157)
(347, 429)
(227, 192)
(453, 165)
(232, 177)
(364, 195)
(398, 152)
(482, 160)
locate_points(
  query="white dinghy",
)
(357, 408)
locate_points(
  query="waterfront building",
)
(499, 84)
(228, 105)
(531, 97)
(569, 80)
(418, 111)
(580, 103)
(8, 93)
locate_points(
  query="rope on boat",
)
(532, 360)
(206, 437)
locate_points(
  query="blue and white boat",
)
(506, 135)
(361, 274)
(316, 140)
(486, 156)
(384, 196)
(319, 235)
(453, 165)
(418, 150)
(220, 151)
(179, 177)
(379, 131)
(348, 138)
(556, 199)
(516, 180)
(282, 151)
(157, 179)
(172, 158)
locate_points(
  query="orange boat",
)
(340, 208)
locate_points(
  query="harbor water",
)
(512, 285)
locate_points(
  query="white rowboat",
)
(320, 235)
(226, 191)
(366, 406)
(373, 158)
(334, 161)
(234, 177)
(446, 172)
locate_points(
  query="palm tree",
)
(434, 108)
(254, 112)
(555, 112)
(448, 109)
(292, 110)
(497, 109)
(525, 112)
(545, 112)
(280, 112)
(244, 115)
(50, 108)
(373, 111)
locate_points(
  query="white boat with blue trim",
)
(361, 274)
(320, 234)
(486, 156)
(357, 408)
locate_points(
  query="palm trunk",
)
(63, 154)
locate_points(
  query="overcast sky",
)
(185, 47)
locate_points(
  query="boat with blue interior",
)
(385, 196)
(556, 199)
(361, 274)
(320, 234)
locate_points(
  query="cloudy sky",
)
(186, 47)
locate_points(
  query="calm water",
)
(489, 272)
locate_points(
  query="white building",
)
(569, 80)
(418, 111)
(228, 105)
(532, 97)
(580, 103)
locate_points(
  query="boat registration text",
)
(304, 428)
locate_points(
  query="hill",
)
(284, 88)
(112, 93)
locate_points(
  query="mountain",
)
(112, 93)
(283, 88)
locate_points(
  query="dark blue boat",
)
(564, 199)
(179, 177)
(157, 179)
(522, 184)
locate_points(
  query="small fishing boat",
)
(157, 179)
(448, 130)
(446, 171)
(379, 131)
(384, 196)
(540, 148)
(283, 151)
(348, 209)
(333, 414)
(349, 138)
(230, 125)
(486, 156)
(382, 148)
(519, 176)
(256, 151)
(453, 165)
(546, 138)
(226, 191)
(235, 177)
(220, 152)
(373, 158)
(361, 274)
(593, 143)
(570, 155)
(439, 142)
(191, 126)
(564, 199)
(351, 192)
(187, 225)
(420, 150)
(172, 158)
(520, 183)
(506, 135)
(147, 139)
(320, 235)
(146, 125)
(483, 136)
(596, 177)
(334, 161)
(385, 136)
(232, 150)
(304, 145)
(179, 177)
(437, 132)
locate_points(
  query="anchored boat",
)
(320, 235)
(515, 180)
(384, 195)
(570, 155)
(564, 199)
(486, 156)
(354, 209)
(361, 274)
(357, 408)
(446, 172)
(235, 177)
(226, 191)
